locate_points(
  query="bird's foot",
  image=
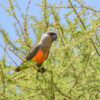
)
(41, 70)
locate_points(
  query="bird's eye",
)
(52, 34)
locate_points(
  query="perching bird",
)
(39, 52)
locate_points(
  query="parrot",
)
(40, 51)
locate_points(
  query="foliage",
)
(73, 65)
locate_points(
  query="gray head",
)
(49, 37)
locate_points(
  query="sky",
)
(6, 21)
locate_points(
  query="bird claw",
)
(41, 70)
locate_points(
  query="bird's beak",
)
(54, 37)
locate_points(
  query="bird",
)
(40, 51)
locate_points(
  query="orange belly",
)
(39, 57)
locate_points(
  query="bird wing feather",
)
(32, 52)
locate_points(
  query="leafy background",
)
(73, 65)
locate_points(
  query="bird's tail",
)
(17, 69)
(21, 67)
(25, 66)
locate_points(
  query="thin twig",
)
(77, 14)
(14, 15)
(63, 94)
(15, 53)
(45, 15)
(9, 55)
(84, 6)
(25, 19)
(8, 40)
(19, 8)
(95, 47)
(31, 96)
(73, 86)
(2, 94)
(58, 26)
(57, 7)
(52, 87)
(65, 68)
(88, 82)
(2, 77)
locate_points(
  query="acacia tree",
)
(73, 65)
